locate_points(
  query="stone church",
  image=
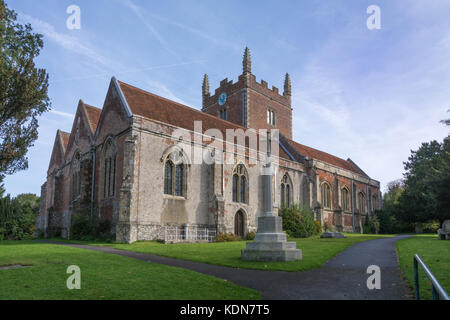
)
(130, 163)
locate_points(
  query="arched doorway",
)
(239, 224)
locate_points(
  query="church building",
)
(132, 164)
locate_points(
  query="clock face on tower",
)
(222, 98)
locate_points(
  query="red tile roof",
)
(93, 115)
(325, 157)
(154, 107)
(64, 138)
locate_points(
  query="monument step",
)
(267, 246)
(270, 237)
(271, 255)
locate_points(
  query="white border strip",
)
(122, 97)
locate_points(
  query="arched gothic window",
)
(326, 195)
(285, 192)
(240, 184)
(374, 203)
(361, 202)
(175, 175)
(345, 199)
(109, 169)
(75, 177)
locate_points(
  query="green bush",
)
(17, 218)
(298, 222)
(385, 220)
(369, 226)
(400, 226)
(251, 235)
(431, 227)
(90, 228)
(40, 234)
(227, 237)
(318, 227)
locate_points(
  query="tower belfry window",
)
(270, 117)
(223, 114)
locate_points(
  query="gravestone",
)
(444, 232)
(270, 242)
(332, 235)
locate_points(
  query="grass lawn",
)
(434, 253)
(103, 276)
(316, 252)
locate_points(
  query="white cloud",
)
(71, 43)
(63, 114)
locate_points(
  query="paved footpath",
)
(342, 278)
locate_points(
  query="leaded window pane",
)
(168, 177)
(179, 180)
(288, 195)
(235, 184)
(243, 188)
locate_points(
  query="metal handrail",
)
(436, 288)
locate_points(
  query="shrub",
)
(251, 235)
(298, 222)
(318, 229)
(326, 226)
(385, 220)
(369, 226)
(227, 237)
(40, 234)
(90, 228)
(431, 227)
(17, 219)
(400, 226)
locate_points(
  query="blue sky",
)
(371, 95)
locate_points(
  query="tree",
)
(442, 184)
(2, 188)
(446, 121)
(392, 196)
(23, 91)
(17, 217)
(427, 183)
(418, 201)
(30, 200)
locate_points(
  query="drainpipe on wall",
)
(223, 171)
(353, 205)
(93, 180)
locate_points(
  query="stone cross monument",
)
(270, 242)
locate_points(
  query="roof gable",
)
(82, 133)
(92, 116)
(59, 149)
(115, 114)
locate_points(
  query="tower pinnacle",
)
(205, 90)
(205, 86)
(247, 62)
(287, 86)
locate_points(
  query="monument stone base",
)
(270, 243)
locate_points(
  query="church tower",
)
(249, 103)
